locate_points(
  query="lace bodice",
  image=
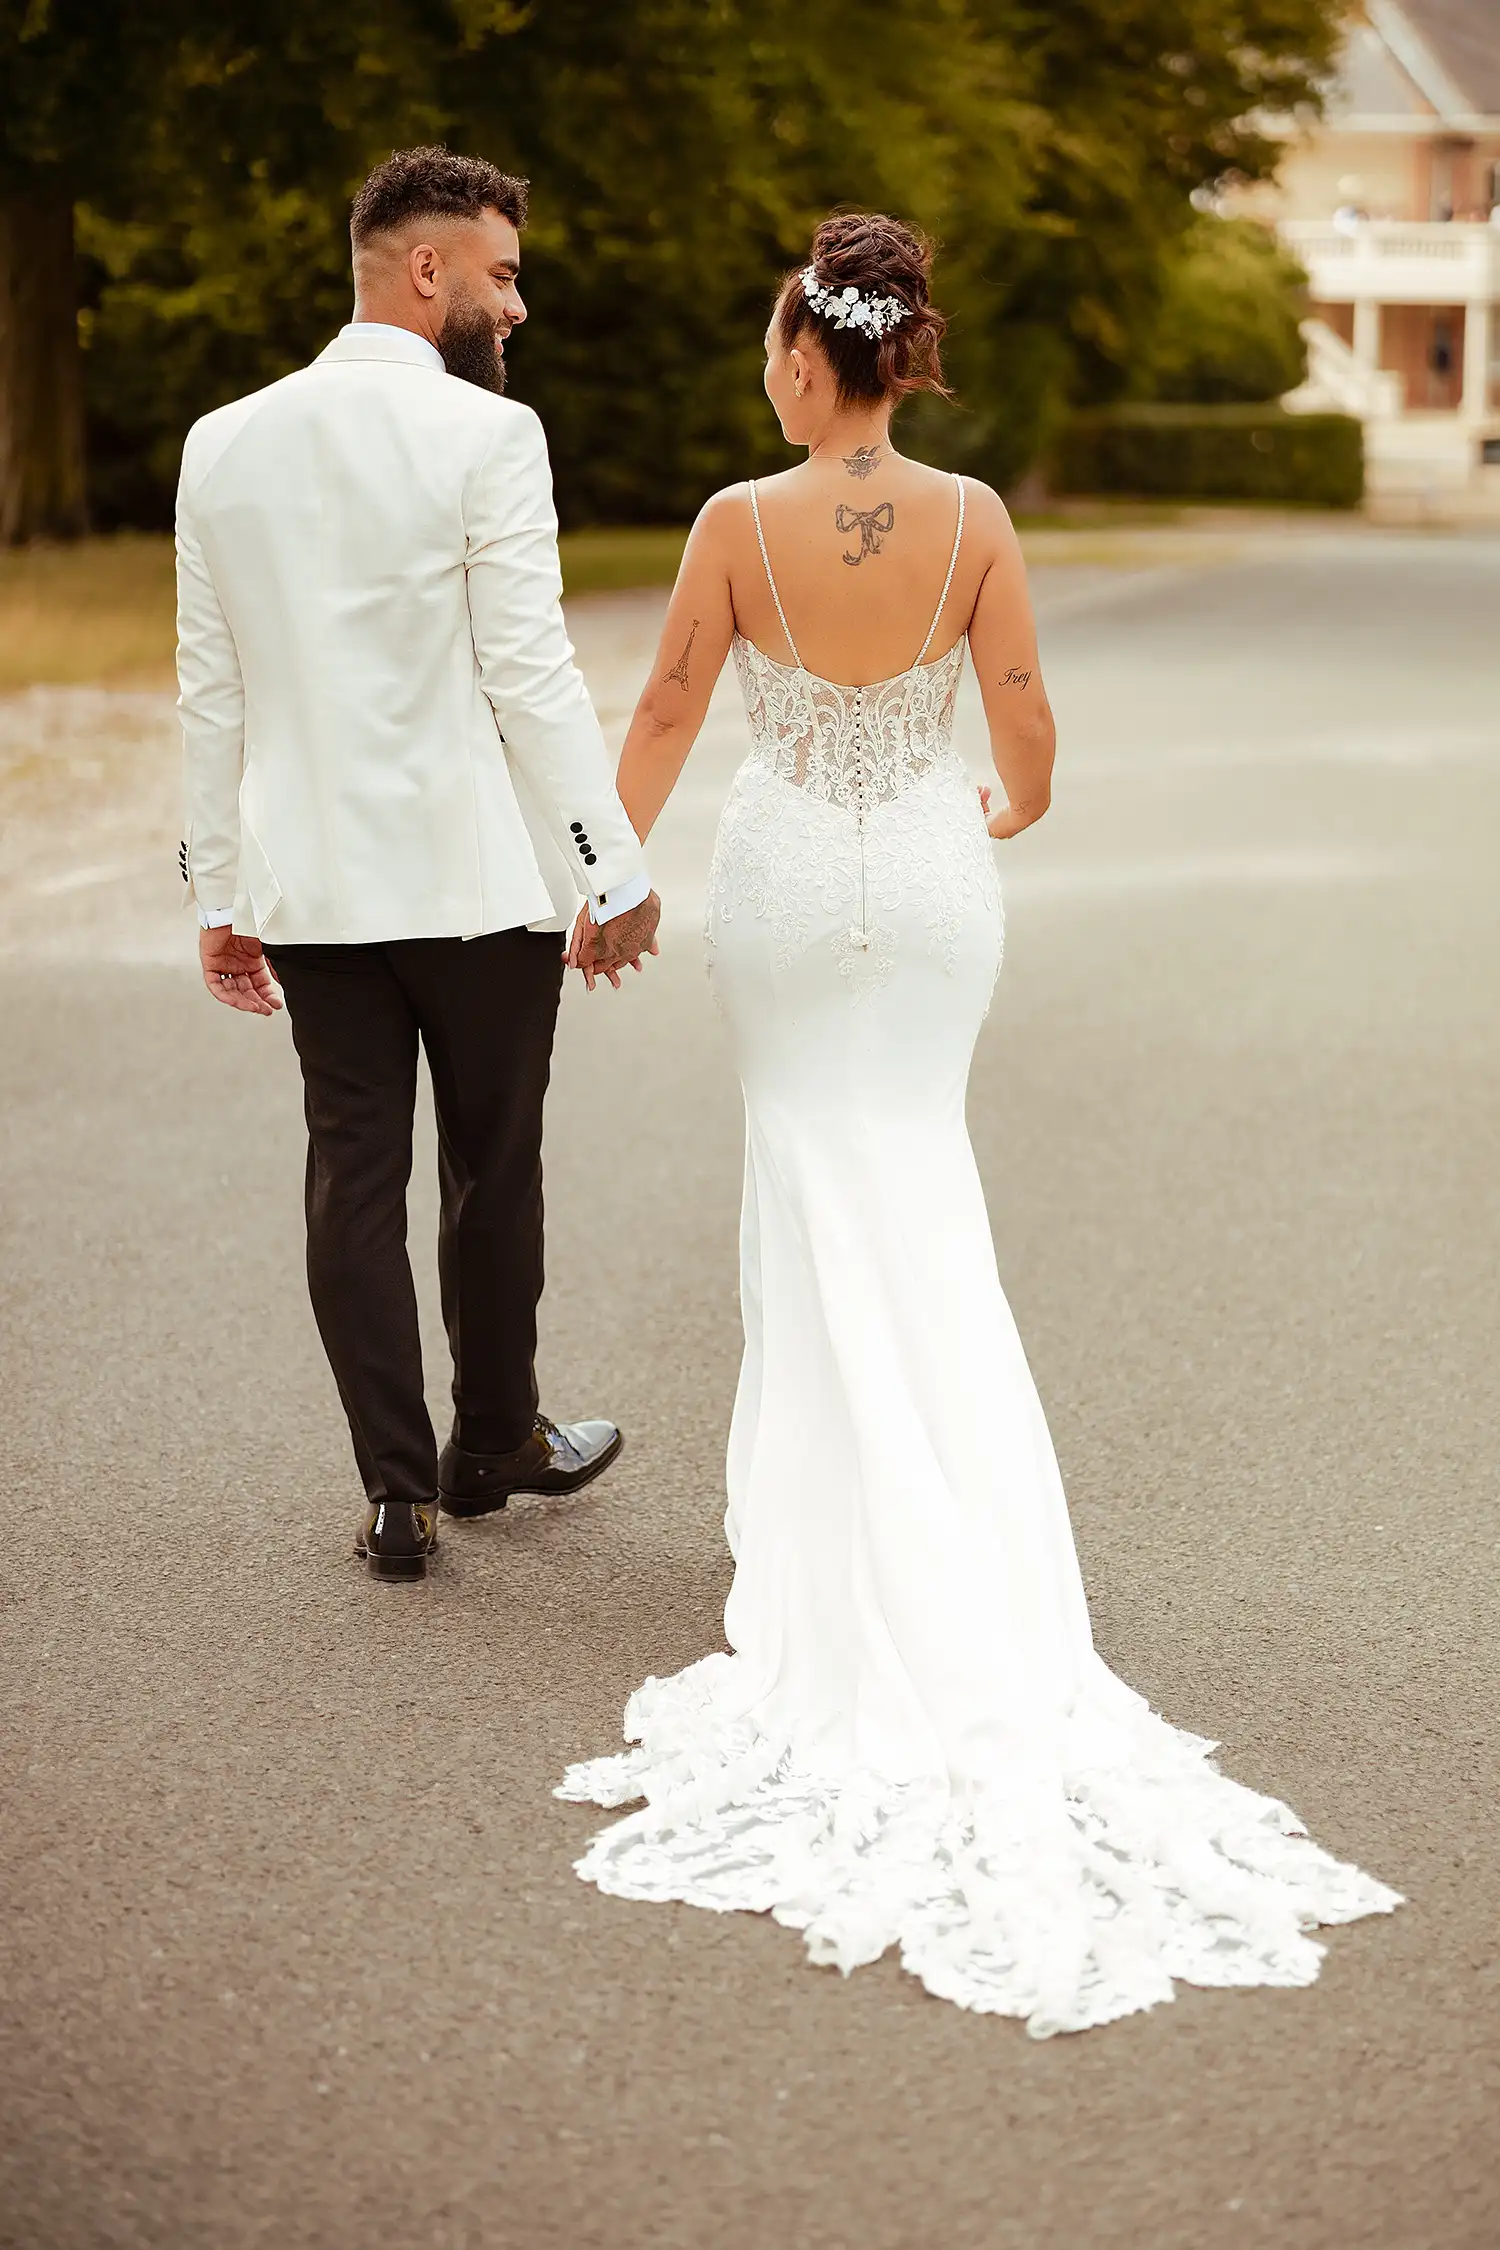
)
(853, 815)
(852, 746)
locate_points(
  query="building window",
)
(1489, 452)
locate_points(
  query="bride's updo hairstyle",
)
(879, 257)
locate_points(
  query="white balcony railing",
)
(1397, 261)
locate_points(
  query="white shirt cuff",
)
(634, 893)
(215, 917)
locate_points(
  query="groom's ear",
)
(425, 265)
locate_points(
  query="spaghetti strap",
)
(771, 581)
(947, 582)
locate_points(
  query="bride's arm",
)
(1002, 642)
(694, 643)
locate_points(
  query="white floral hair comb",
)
(846, 308)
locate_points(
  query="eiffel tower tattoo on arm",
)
(679, 671)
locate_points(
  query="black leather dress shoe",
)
(553, 1460)
(397, 1536)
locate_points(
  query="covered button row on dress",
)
(859, 935)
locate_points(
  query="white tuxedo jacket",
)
(385, 734)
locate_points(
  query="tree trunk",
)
(42, 493)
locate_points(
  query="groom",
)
(396, 789)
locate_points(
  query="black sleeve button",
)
(590, 859)
(575, 827)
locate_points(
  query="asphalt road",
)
(290, 1949)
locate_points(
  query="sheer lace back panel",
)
(850, 746)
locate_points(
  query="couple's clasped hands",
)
(603, 949)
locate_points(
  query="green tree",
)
(1228, 325)
(73, 79)
(680, 153)
(211, 150)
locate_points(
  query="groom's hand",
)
(603, 949)
(237, 972)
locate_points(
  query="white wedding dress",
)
(913, 1742)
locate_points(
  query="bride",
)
(913, 1742)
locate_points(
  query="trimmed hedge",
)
(1214, 453)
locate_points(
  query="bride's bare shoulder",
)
(730, 500)
(724, 522)
(984, 508)
(987, 524)
(986, 517)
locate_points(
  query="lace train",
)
(1067, 1899)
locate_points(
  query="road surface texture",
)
(291, 1953)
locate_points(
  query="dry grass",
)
(101, 613)
(616, 561)
(98, 614)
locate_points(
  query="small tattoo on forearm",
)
(863, 461)
(679, 671)
(872, 524)
(1015, 677)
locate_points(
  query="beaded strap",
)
(948, 581)
(771, 581)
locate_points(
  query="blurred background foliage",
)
(1226, 328)
(680, 152)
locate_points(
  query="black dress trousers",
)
(484, 1010)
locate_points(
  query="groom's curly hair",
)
(433, 183)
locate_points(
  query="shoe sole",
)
(452, 1505)
(394, 1566)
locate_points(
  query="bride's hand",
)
(580, 953)
(604, 950)
(1009, 821)
(573, 958)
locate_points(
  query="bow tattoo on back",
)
(872, 524)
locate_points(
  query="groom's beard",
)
(467, 341)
